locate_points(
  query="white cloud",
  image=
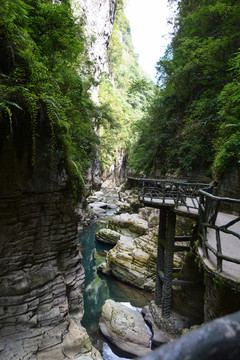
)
(149, 28)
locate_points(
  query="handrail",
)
(218, 339)
(214, 237)
(214, 197)
(178, 192)
(217, 231)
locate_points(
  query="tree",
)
(42, 48)
(192, 74)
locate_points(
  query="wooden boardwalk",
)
(188, 211)
(230, 244)
(219, 232)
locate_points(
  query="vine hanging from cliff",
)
(42, 46)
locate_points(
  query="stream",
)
(99, 287)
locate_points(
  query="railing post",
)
(202, 220)
(219, 250)
(160, 254)
(168, 271)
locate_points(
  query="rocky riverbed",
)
(131, 232)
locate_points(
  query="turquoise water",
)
(99, 288)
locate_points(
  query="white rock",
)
(125, 328)
(132, 222)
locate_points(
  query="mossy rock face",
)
(107, 236)
(186, 300)
(77, 342)
(125, 328)
(132, 222)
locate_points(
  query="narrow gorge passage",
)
(99, 288)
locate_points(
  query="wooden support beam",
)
(160, 254)
(181, 248)
(168, 268)
(182, 283)
(183, 238)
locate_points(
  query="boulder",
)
(150, 215)
(133, 260)
(123, 207)
(159, 336)
(98, 207)
(124, 328)
(129, 224)
(107, 236)
(77, 342)
(104, 268)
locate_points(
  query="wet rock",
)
(98, 207)
(104, 268)
(124, 328)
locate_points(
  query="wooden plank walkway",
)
(230, 243)
(218, 233)
(195, 200)
(181, 209)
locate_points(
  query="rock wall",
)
(117, 173)
(99, 16)
(219, 298)
(229, 186)
(41, 276)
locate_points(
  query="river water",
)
(99, 288)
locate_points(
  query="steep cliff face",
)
(117, 173)
(99, 18)
(41, 275)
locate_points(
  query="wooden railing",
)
(217, 233)
(178, 192)
(210, 226)
(198, 196)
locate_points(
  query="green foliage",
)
(122, 95)
(194, 117)
(228, 144)
(218, 282)
(42, 46)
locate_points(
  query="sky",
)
(149, 29)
